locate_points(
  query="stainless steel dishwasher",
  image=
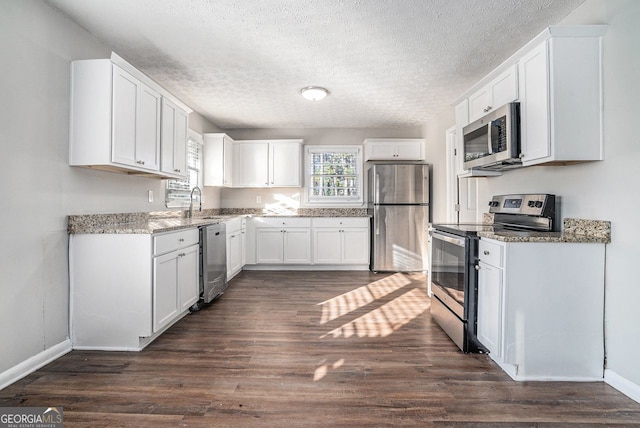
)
(213, 263)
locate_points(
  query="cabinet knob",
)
(486, 253)
(176, 170)
(182, 254)
(140, 162)
(487, 109)
(181, 240)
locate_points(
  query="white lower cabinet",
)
(236, 245)
(283, 240)
(300, 243)
(540, 308)
(490, 308)
(126, 289)
(341, 241)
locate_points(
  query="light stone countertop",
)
(166, 221)
(573, 231)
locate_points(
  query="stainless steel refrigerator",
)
(399, 197)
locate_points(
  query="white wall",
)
(41, 189)
(246, 198)
(434, 134)
(604, 190)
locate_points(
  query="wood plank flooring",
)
(310, 349)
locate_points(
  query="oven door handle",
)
(460, 242)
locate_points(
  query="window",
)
(179, 191)
(334, 174)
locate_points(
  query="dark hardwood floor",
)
(310, 349)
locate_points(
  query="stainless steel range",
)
(454, 255)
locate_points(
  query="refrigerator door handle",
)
(376, 217)
(376, 196)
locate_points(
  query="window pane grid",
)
(334, 175)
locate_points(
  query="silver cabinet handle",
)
(181, 240)
(182, 254)
(176, 170)
(486, 253)
(487, 109)
(140, 162)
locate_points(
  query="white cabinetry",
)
(273, 163)
(340, 241)
(116, 120)
(557, 79)
(500, 91)
(218, 160)
(283, 240)
(236, 246)
(540, 308)
(250, 164)
(393, 149)
(561, 100)
(173, 140)
(126, 289)
(175, 275)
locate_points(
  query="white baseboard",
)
(624, 385)
(29, 366)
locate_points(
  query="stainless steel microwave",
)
(493, 141)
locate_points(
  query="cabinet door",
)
(165, 290)
(188, 276)
(227, 162)
(355, 246)
(251, 164)
(409, 150)
(479, 103)
(173, 160)
(269, 245)
(234, 254)
(327, 246)
(297, 246)
(148, 128)
(379, 150)
(534, 104)
(125, 100)
(504, 88)
(285, 164)
(243, 256)
(490, 295)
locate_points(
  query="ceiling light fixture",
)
(314, 93)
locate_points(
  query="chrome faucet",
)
(191, 200)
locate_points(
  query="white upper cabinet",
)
(267, 163)
(285, 163)
(116, 121)
(173, 140)
(561, 100)
(218, 160)
(393, 149)
(500, 91)
(557, 79)
(250, 164)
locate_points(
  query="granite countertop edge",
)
(152, 223)
(577, 231)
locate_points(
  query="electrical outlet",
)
(258, 199)
(150, 195)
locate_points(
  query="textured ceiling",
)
(387, 63)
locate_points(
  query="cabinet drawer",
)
(173, 240)
(490, 253)
(233, 225)
(340, 222)
(282, 222)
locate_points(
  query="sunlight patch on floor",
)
(348, 302)
(386, 319)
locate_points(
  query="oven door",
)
(448, 270)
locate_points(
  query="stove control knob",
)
(538, 204)
(531, 204)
